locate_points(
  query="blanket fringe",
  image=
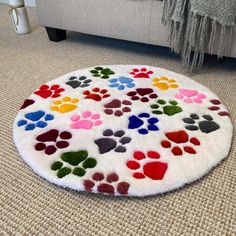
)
(191, 34)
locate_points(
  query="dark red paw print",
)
(152, 169)
(142, 94)
(96, 94)
(180, 137)
(52, 140)
(106, 186)
(141, 73)
(117, 107)
(216, 107)
(27, 103)
(54, 91)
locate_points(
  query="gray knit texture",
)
(197, 26)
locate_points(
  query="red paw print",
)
(54, 91)
(141, 73)
(152, 169)
(96, 94)
(180, 137)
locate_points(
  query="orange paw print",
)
(164, 83)
(64, 105)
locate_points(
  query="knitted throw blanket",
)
(198, 26)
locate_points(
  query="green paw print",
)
(104, 73)
(74, 159)
(161, 106)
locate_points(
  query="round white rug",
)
(122, 130)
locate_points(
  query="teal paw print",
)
(101, 72)
(73, 162)
(169, 108)
(121, 83)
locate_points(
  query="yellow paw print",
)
(164, 83)
(66, 104)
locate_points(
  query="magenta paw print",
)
(87, 120)
(190, 95)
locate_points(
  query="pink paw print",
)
(141, 73)
(87, 121)
(190, 95)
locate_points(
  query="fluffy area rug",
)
(122, 130)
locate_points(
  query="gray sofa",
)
(133, 20)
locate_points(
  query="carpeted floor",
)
(29, 205)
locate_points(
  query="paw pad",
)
(141, 73)
(96, 94)
(190, 95)
(52, 140)
(78, 161)
(143, 165)
(181, 141)
(27, 102)
(142, 94)
(207, 125)
(144, 123)
(121, 83)
(108, 185)
(112, 141)
(53, 91)
(164, 83)
(216, 107)
(104, 73)
(35, 119)
(80, 82)
(64, 105)
(88, 120)
(117, 107)
(161, 106)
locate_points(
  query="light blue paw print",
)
(35, 119)
(121, 83)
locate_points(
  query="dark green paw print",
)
(104, 73)
(169, 108)
(78, 163)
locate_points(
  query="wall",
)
(27, 2)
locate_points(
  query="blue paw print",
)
(35, 119)
(136, 122)
(121, 83)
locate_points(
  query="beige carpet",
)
(29, 205)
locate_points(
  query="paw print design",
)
(64, 105)
(88, 120)
(52, 140)
(143, 122)
(190, 95)
(109, 185)
(162, 107)
(117, 107)
(207, 125)
(35, 119)
(142, 94)
(112, 141)
(76, 82)
(78, 162)
(164, 83)
(179, 141)
(27, 102)
(216, 107)
(101, 72)
(144, 165)
(53, 91)
(121, 83)
(141, 73)
(96, 94)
